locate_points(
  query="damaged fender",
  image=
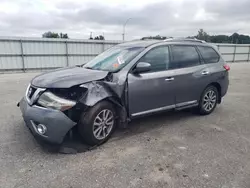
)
(100, 90)
(95, 93)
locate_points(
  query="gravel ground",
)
(173, 149)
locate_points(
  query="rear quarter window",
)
(209, 54)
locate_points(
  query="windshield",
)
(113, 59)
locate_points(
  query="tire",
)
(208, 100)
(92, 123)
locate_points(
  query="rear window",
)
(209, 54)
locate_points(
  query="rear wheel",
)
(208, 100)
(98, 123)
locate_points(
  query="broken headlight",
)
(49, 100)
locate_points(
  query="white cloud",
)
(202, 15)
(8, 7)
(149, 17)
(176, 15)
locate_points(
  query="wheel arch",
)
(120, 109)
(218, 87)
(98, 92)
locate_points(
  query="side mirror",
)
(142, 67)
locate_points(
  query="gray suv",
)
(127, 81)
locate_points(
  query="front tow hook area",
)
(72, 144)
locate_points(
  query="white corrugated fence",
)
(21, 54)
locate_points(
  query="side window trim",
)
(158, 46)
(202, 60)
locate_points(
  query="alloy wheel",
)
(209, 100)
(103, 124)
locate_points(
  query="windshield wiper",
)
(87, 67)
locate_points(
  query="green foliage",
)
(100, 37)
(219, 39)
(50, 34)
(64, 36)
(157, 37)
(234, 38)
(202, 35)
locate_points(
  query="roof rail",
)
(185, 40)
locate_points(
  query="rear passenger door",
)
(215, 72)
(189, 76)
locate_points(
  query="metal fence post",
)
(103, 47)
(22, 55)
(67, 54)
(234, 53)
(248, 59)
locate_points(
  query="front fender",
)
(99, 90)
(96, 91)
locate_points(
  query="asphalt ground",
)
(172, 149)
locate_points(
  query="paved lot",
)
(168, 150)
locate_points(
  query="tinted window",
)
(209, 55)
(158, 58)
(184, 56)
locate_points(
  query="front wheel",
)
(208, 100)
(98, 123)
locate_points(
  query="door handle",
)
(205, 73)
(169, 79)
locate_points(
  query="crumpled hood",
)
(67, 77)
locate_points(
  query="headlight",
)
(49, 100)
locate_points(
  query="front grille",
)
(30, 92)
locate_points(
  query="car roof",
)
(140, 43)
(146, 43)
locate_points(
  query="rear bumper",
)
(224, 85)
(56, 122)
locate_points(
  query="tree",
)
(235, 38)
(202, 35)
(219, 39)
(64, 36)
(100, 37)
(244, 39)
(50, 34)
(157, 37)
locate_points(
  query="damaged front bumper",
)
(46, 124)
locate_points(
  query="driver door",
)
(152, 91)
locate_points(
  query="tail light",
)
(226, 67)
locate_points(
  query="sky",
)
(78, 18)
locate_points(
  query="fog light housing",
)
(41, 128)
